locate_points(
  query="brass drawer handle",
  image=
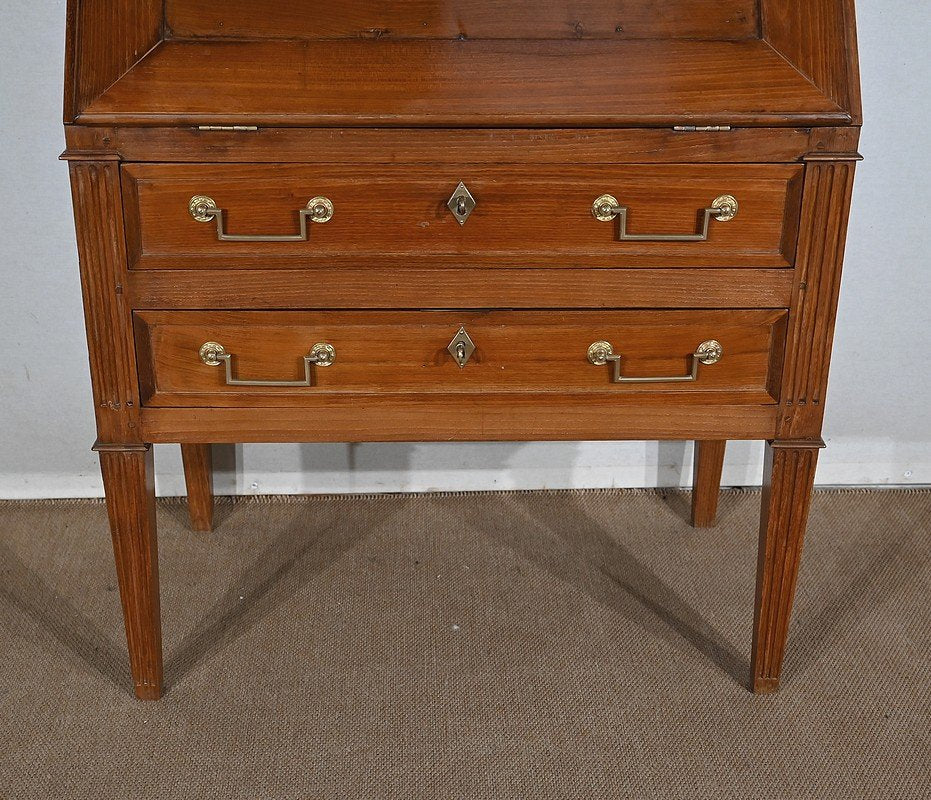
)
(214, 354)
(606, 208)
(710, 352)
(204, 209)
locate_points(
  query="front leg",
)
(128, 477)
(788, 481)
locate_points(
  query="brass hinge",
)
(238, 128)
(702, 128)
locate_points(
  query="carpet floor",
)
(513, 645)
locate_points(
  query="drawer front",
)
(397, 215)
(248, 354)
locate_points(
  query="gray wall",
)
(878, 423)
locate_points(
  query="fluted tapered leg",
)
(788, 480)
(128, 477)
(198, 475)
(706, 482)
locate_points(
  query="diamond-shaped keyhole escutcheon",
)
(461, 348)
(462, 204)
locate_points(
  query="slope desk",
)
(444, 220)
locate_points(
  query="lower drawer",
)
(272, 358)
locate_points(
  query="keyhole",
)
(460, 352)
(461, 207)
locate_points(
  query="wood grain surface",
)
(828, 192)
(381, 146)
(129, 482)
(473, 19)
(455, 418)
(788, 480)
(384, 108)
(398, 214)
(104, 40)
(98, 216)
(706, 481)
(819, 38)
(462, 287)
(198, 478)
(507, 83)
(405, 353)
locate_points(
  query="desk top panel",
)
(489, 83)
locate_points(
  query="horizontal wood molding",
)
(119, 447)
(431, 146)
(472, 19)
(478, 419)
(788, 444)
(398, 287)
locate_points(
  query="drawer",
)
(397, 215)
(202, 359)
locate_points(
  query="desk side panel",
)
(105, 39)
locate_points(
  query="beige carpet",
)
(513, 645)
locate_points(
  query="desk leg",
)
(128, 478)
(198, 475)
(788, 480)
(706, 482)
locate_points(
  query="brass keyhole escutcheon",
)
(461, 348)
(462, 204)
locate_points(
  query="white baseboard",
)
(429, 473)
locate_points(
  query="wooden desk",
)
(460, 221)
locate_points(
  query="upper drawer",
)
(398, 214)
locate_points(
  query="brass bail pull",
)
(601, 353)
(205, 209)
(214, 354)
(723, 209)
